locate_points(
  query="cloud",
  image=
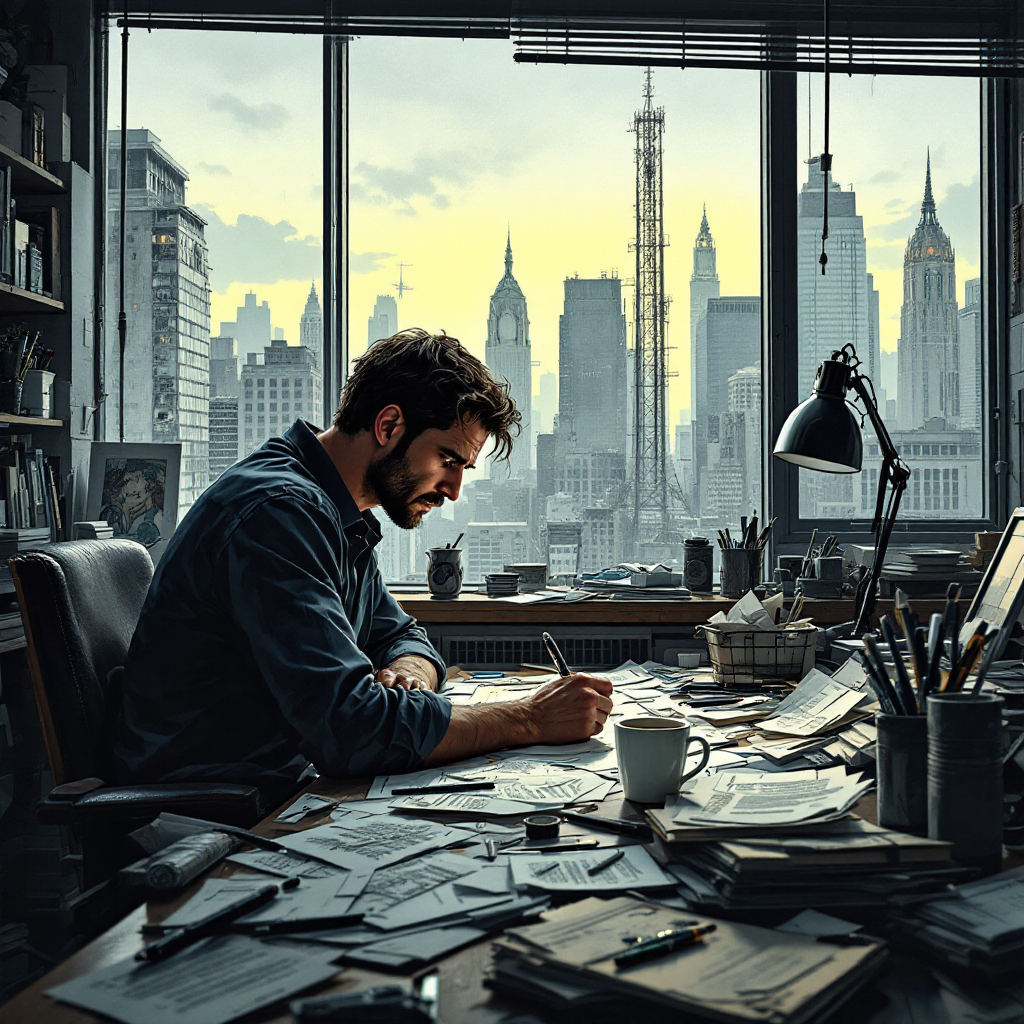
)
(254, 251)
(367, 262)
(260, 116)
(215, 170)
(425, 178)
(884, 178)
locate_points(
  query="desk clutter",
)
(588, 901)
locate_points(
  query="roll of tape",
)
(542, 826)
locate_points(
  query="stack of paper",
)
(863, 865)
(736, 973)
(740, 804)
(818, 705)
(978, 926)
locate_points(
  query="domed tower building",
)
(928, 350)
(507, 355)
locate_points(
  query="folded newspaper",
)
(744, 799)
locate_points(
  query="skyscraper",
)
(223, 406)
(311, 324)
(928, 349)
(250, 328)
(703, 286)
(592, 365)
(834, 307)
(167, 299)
(507, 354)
(972, 385)
(384, 321)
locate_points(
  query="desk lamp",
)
(823, 433)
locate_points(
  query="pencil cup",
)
(965, 776)
(652, 753)
(444, 572)
(901, 753)
(36, 392)
(10, 395)
(735, 572)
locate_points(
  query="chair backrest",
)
(80, 602)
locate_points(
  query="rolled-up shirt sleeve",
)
(393, 632)
(283, 585)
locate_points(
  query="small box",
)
(36, 393)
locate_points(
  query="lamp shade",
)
(822, 433)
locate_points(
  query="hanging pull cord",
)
(826, 156)
(122, 316)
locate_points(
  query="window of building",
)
(903, 278)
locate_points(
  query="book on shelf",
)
(28, 492)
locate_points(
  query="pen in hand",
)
(561, 665)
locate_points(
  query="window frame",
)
(780, 336)
(779, 188)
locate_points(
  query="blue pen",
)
(487, 675)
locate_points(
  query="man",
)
(268, 645)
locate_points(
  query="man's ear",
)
(388, 425)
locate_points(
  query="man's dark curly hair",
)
(435, 382)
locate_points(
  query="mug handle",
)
(703, 761)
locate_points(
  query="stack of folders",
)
(978, 926)
(733, 972)
(861, 866)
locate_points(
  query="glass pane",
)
(496, 201)
(902, 283)
(223, 244)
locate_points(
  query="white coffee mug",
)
(651, 754)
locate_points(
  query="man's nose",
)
(451, 485)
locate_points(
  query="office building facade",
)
(223, 406)
(251, 327)
(167, 301)
(592, 365)
(972, 382)
(273, 394)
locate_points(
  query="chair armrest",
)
(224, 803)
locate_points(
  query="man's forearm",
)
(478, 730)
(415, 667)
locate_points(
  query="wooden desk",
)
(469, 609)
(463, 998)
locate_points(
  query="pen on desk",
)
(561, 665)
(623, 828)
(189, 934)
(459, 787)
(607, 863)
(661, 945)
(544, 870)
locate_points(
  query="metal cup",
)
(444, 572)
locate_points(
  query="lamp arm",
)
(895, 472)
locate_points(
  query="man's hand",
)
(570, 709)
(409, 673)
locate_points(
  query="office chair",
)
(80, 602)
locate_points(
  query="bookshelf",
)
(17, 300)
(29, 177)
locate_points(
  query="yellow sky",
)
(452, 143)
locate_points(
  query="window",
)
(538, 188)
(903, 282)
(225, 179)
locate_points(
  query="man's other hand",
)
(408, 673)
(571, 709)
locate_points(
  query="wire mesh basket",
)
(755, 656)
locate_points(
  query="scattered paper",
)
(211, 983)
(816, 925)
(568, 873)
(370, 842)
(304, 806)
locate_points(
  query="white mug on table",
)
(651, 754)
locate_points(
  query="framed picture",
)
(134, 488)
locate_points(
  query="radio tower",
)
(650, 450)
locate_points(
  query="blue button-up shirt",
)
(255, 652)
